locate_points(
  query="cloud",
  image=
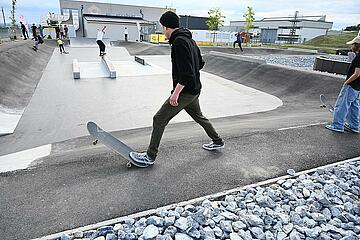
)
(342, 12)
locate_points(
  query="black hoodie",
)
(186, 61)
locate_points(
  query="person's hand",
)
(174, 100)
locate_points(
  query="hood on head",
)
(180, 32)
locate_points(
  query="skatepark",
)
(53, 179)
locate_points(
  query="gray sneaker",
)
(350, 129)
(141, 159)
(213, 146)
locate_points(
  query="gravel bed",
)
(320, 205)
(305, 62)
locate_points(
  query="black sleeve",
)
(184, 61)
(356, 61)
(201, 60)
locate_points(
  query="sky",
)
(341, 12)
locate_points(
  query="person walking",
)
(126, 33)
(238, 40)
(347, 108)
(99, 41)
(186, 64)
(61, 28)
(24, 31)
(66, 30)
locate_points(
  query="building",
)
(193, 23)
(294, 29)
(84, 18)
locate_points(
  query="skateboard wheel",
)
(129, 164)
(95, 142)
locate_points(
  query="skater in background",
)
(24, 31)
(38, 40)
(34, 31)
(61, 46)
(238, 40)
(99, 41)
(126, 32)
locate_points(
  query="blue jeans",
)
(347, 108)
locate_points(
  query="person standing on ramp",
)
(238, 40)
(186, 64)
(99, 41)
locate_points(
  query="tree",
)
(13, 19)
(249, 18)
(215, 20)
(353, 28)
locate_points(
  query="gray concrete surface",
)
(81, 184)
(61, 106)
(21, 70)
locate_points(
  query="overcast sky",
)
(342, 12)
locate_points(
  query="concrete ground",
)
(79, 184)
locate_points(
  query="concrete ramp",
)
(87, 42)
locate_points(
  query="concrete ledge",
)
(303, 50)
(332, 66)
(76, 69)
(237, 57)
(109, 66)
(140, 60)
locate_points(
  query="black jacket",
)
(186, 61)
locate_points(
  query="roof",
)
(114, 19)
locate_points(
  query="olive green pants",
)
(191, 105)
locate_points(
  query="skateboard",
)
(112, 142)
(326, 104)
(34, 48)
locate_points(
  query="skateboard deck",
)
(111, 142)
(326, 104)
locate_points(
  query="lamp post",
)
(82, 20)
(2, 9)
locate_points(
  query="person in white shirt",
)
(99, 41)
(126, 32)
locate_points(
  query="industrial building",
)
(84, 18)
(294, 29)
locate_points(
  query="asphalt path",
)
(81, 184)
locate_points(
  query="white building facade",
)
(295, 29)
(86, 17)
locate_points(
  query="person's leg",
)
(194, 110)
(354, 110)
(162, 118)
(99, 44)
(342, 106)
(234, 44)
(103, 46)
(23, 32)
(240, 47)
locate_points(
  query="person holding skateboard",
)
(347, 108)
(186, 64)
(99, 41)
